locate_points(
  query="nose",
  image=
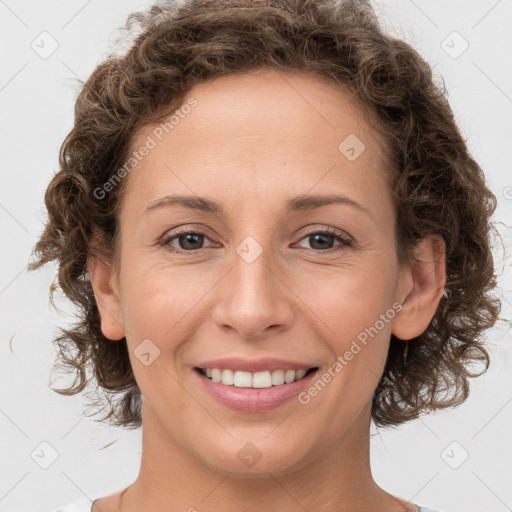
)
(253, 299)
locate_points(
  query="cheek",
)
(353, 309)
(358, 310)
(350, 298)
(155, 301)
(160, 304)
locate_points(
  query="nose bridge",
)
(253, 265)
(254, 298)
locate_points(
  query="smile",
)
(263, 379)
(253, 392)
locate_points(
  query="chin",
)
(254, 459)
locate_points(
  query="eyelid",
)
(188, 228)
(330, 230)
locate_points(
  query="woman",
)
(275, 234)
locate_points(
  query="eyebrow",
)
(299, 203)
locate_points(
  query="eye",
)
(192, 240)
(187, 241)
(324, 239)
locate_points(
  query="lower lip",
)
(254, 399)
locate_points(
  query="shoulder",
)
(79, 506)
(108, 503)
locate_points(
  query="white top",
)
(79, 506)
(86, 506)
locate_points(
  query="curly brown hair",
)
(437, 186)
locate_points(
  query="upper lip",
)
(254, 365)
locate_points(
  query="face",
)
(267, 278)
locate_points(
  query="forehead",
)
(261, 129)
(263, 102)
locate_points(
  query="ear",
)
(106, 293)
(425, 278)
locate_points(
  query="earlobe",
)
(106, 294)
(426, 276)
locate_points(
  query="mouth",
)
(249, 392)
(256, 380)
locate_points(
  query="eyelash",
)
(346, 242)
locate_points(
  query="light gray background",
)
(37, 96)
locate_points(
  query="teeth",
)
(263, 379)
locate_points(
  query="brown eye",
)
(323, 241)
(190, 241)
(185, 241)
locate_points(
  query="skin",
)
(252, 142)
